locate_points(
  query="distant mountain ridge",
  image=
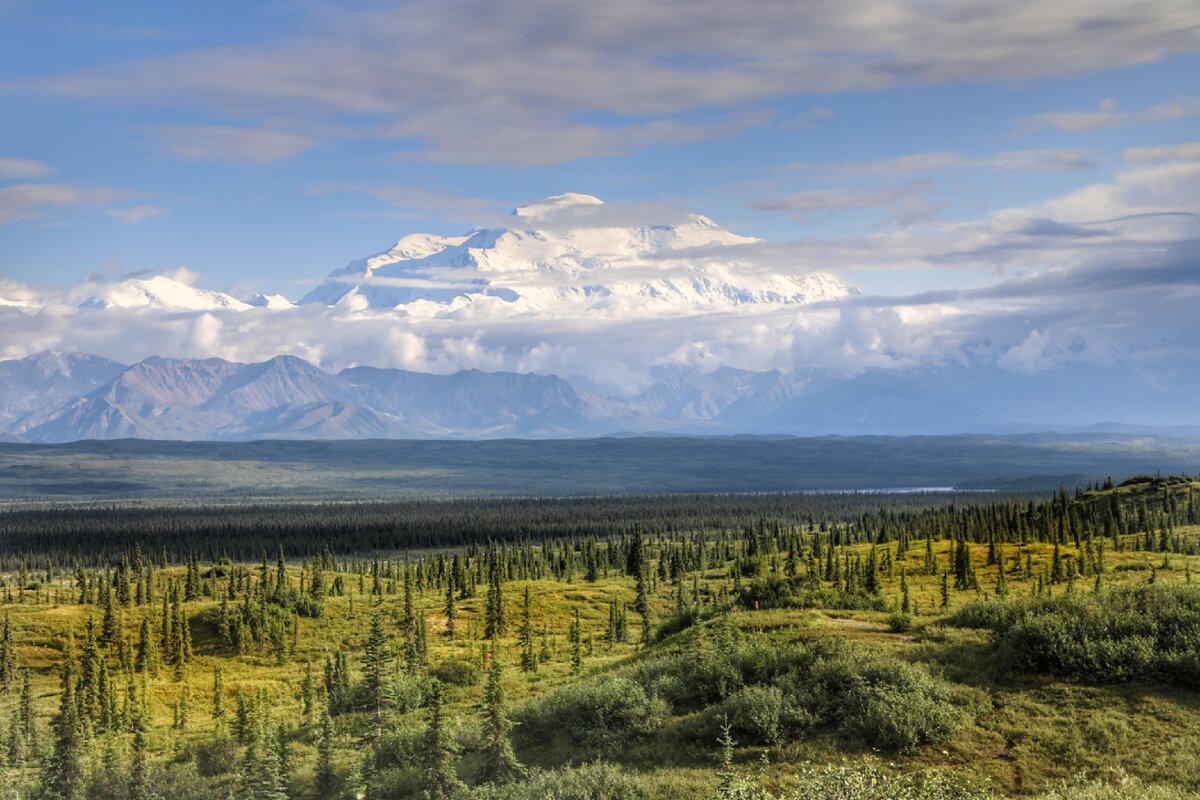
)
(62, 397)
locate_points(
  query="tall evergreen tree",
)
(63, 775)
(139, 781)
(376, 658)
(441, 780)
(450, 610)
(326, 778)
(500, 763)
(529, 661)
(575, 636)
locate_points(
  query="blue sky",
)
(262, 145)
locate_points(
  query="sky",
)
(1010, 182)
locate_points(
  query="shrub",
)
(400, 745)
(409, 691)
(768, 692)
(308, 606)
(992, 614)
(1123, 788)
(603, 713)
(774, 591)
(456, 672)
(217, 756)
(863, 782)
(595, 781)
(900, 621)
(679, 621)
(756, 714)
(882, 701)
(1144, 632)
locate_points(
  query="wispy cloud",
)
(415, 199)
(257, 144)
(1062, 160)
(1108, 115)
(136, 214)
(30, 200)
(524, 83)
(23, 169)
(1188, 151)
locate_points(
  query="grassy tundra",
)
(1046, 648)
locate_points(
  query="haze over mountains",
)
(54, 397)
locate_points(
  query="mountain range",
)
(567, 263)
(61, 397)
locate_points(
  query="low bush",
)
(456, 672)
(775, 591)
(881, 701)
(219, 755)
(400, 745)
(595, 781)
(754, 714)
(409, 691)
(602, 714)
(993, 614)
(768, 692)
(1149, 632)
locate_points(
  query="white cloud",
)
(1029, 356)
(1158, 188)
(1187, 151)
(30, 200)
(524, 82)
(135, 214)
(1109, 116)
(23, 169)
(232, 143)
(1061, 160)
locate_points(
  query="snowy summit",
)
(563, 253)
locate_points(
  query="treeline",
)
(97, 534)
(68, 537)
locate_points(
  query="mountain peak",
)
(562, 263)
(164, 292)
(556, 203)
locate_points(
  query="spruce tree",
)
(441, 780)
(63, 775)
(375, 666)
(450, 610)
(575, 636)
(494, 623)
(308, 694)
(325, 776)
(8, 657)
(139, 783)
(26, 714)
(218, 707)
(500, 763)
(529, 662)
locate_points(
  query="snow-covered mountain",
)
(562, 254)
(162, 292)
(272, 302)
